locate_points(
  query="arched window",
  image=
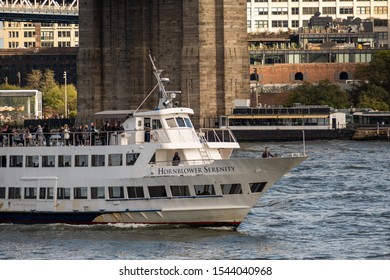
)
(343, 75)
(298, 76)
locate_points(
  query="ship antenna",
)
(165, 98)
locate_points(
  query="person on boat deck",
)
(267, 153)
(176, 159)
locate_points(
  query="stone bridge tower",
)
(200, 44)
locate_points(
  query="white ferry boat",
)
(133, 179)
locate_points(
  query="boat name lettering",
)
(195, 170)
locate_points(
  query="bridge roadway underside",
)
(200, 44)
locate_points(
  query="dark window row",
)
(120, 192)
(36, 161)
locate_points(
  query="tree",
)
(375, 98)
(53, 94)
(325, 93)
(373, 88)
(34, 80)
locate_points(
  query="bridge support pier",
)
(201, 45)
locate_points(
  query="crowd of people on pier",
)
(43, 135)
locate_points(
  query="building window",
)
(295, 23)
(29, 44)
(380, 10)
(346, 10)
(261, 0)
(295, 11)
(380, 22)
(383, 35)
(279, 11)
(248, 12)
(261, 11)
(343, 75)
(363, 10)
(279, 23)
(329, 10)
(298, 76)
(248, 24)
(29, 34)
(261, 23)
(309, 10)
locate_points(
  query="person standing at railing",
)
(46, 133)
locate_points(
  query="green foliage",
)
(374, 97)
(53, 93)
(373, 90)
(325, 93)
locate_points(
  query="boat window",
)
(115, 192)
(32, 161)
(2, 192)
(156, 124)
(231, 188)
(135, 192)
(30, 193)
(131, 158)
(153, 159)
(188, 122)
(257, 187)
(3, 161)
(81, 160)
(157, 191)
(97, 192)
(14, 193)
(80, 193)
(45, 193)
(16, 161)
(171, 122)
(48, 161)
(204, 189)
(115, 160)
(63, 193)
(180, 191)
(64, 161)
(98, 160)
(180, 122)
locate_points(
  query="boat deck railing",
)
(113, 137)
(216, 135)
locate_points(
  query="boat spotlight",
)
(166, 102)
